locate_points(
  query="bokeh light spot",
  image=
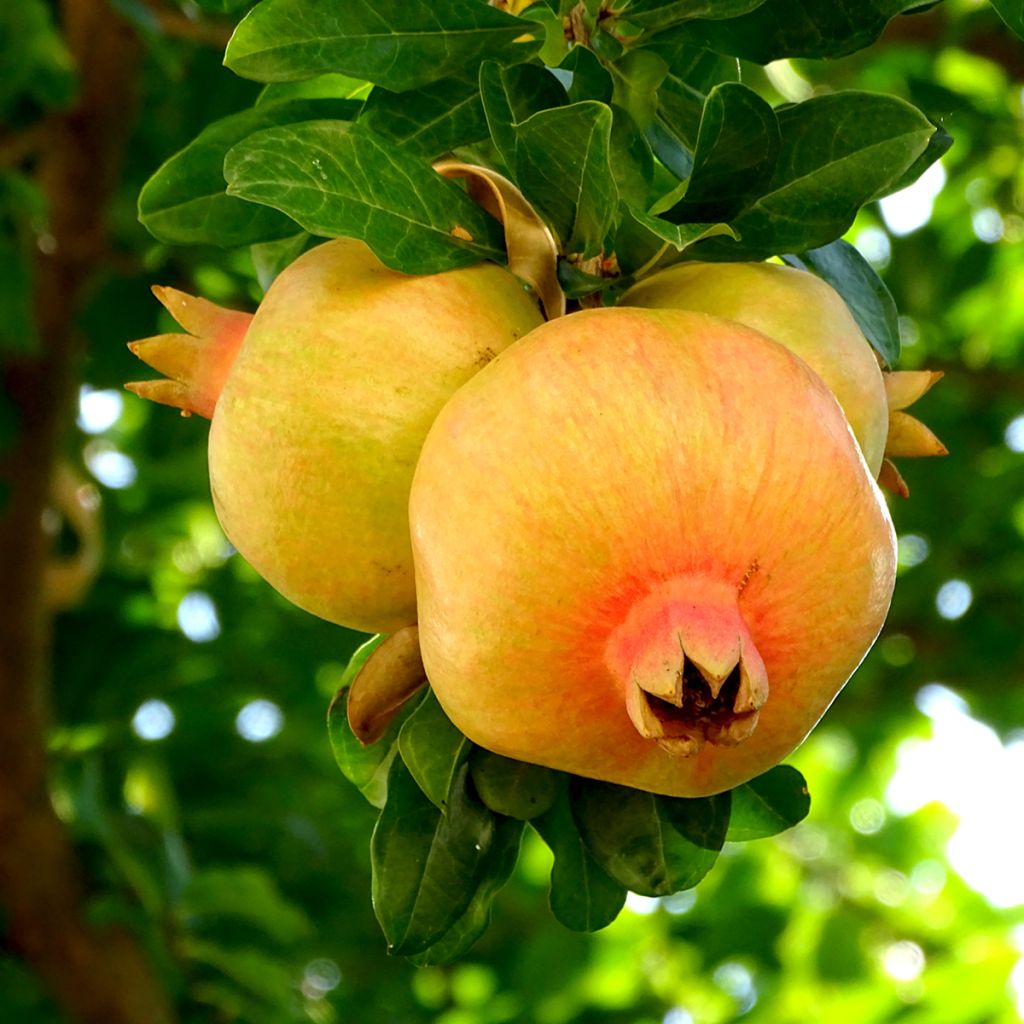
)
(953, 599)
(197, 617)
(154, 720)
(259, 721)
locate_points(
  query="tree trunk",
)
(97, 975)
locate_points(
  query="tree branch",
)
(98, 975)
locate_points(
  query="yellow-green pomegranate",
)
(797, 309)
(320, 403)
(647, 551)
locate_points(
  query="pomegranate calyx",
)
(693, 675)
(908, 437)
(195, 365)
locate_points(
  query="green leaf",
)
(498, 868)
(634, 836)
(329, 86)
(512, 95)
(810, 28)
(637, 77)
(246, 894)
(1012, 12)
(221, 6)
(431, 121)
(185, 201)
(870, 301)
(37, 62)
(660, 14)
(768, 805)
(590, 79)
(270, 258)
(680, 236)
(433, 749)
(400, 44)
(338, 179)
(365, 767)
(838, 152)
(563, 166)
(632, 161)
(737, 147)
(583, 897)
(427, 864)
(513, 788)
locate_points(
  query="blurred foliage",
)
(243, 863)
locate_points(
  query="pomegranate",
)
(320, 403)
(797, 309)
(647, 551)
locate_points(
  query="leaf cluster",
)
(452, 817)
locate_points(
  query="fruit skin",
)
(317, 430)
(705, 505)
(798, 310)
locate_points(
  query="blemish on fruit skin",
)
(751, 570)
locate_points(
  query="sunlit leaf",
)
(338, 179)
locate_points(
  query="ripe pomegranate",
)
(797, 309)
(811, 319)
(647, 551)
(320, 403)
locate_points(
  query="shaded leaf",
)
(512, 95)
(737, 146)
(433, 749)
(563, 166)
(870, 301)
(633, 837)
(338, 179)
(427, 864)
(637, 77)
(270, 258)
(768, 805)
(660, 14)
(1012, 12)
(512, 788)
(583, 897)
(590, 79)
(808, 28)
(400, 45)
(498, 868)
(838, 152)
(247, 894)
(186, 202)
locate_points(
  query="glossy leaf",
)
(399, 44)
(1012, 12)
(812, 28)
(186, 202)
(431, 121)
(633, 837)
(870, 301)
(562, 161)
(737, 147)
(512, 788)
(427, 864)
(365, 767)
(583, 896)
(433, 749)
(837, 152)
(338, 179)
(768, 805)
(659, 14)
(512, 95)
(498, 868)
